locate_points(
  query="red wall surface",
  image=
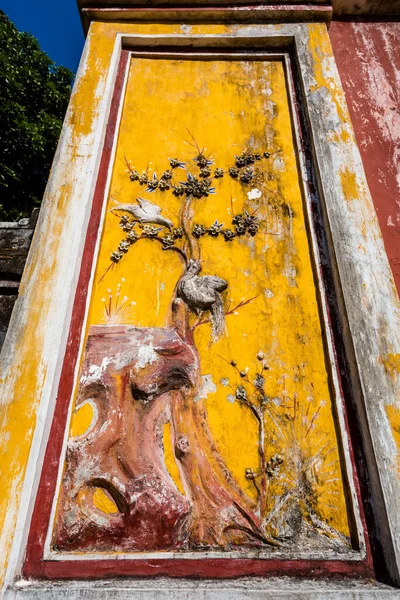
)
(368, 59)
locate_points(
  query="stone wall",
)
(15, 240)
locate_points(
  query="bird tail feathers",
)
(217, 319)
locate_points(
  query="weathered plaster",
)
(368, 60)
(37, 332)
(283, 588)
(262, 13)
(364, 278)
(365, 283)
(340, 7)
(366, 7)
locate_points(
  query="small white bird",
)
(144, 212)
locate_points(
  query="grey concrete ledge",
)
(185, 589)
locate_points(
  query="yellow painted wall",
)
(23, 384)
(229, 106)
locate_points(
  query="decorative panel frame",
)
(368, 303)
(41, 561)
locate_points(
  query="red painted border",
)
(48, 481)
(35, 566)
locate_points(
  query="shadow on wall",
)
(15, 240)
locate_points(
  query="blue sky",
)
(55, 23)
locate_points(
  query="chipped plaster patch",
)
(254, 194)
(186, 28)
(349, 183)
(95, 372)
(146, 356)
(393, 415)
(207, 387)
(391, 364)
(279, 163)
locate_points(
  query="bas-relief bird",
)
(202, 293)
(144, 212)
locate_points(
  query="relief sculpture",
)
(152, 462)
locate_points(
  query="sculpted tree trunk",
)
(135, 380)
(222, 515)
(126, 379)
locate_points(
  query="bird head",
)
(193, 267)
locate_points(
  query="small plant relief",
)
(117, 307)
(294, 483)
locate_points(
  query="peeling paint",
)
(368, 59)
(207, 387)
(51, 261)
(53, 257)
(393, 414)
(391, 364)
(349, 184)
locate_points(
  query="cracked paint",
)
(51, 253)
(368, 59)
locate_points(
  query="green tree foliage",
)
(34, 95)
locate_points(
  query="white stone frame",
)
(368, 328)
